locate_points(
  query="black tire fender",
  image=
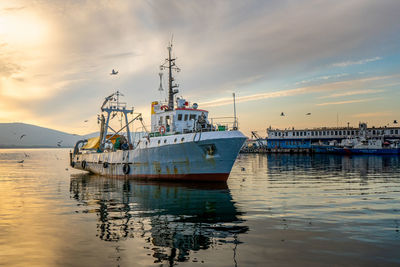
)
(83, 164)
(126, 168)
(105, 165)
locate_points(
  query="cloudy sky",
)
(335, 59)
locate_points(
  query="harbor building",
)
(304, 138)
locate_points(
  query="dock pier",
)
(276, 150)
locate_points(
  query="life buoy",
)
(105, 165)
(162, 129)
(83, 164)
(164, 107)
(126, 168)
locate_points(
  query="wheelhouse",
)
(183, 119)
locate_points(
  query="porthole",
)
(159, 141)
(182, 139)
(165, 141)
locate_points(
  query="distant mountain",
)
(27, 135)
(22, 135)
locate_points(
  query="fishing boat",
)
(182, 144)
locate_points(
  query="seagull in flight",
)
(22, 136)
(282, 114)
(308, 114)
(20, 161)
(113, 72)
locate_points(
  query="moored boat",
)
(183, 143)
(352, 146)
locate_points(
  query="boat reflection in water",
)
(182, 217)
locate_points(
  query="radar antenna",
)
(160, 88)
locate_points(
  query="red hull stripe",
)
(205, 177)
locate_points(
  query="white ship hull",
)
(201, 156)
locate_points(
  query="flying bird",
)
(282, 114)
(26, 155)
(85, 121)
(309, 113)
(22, 136)
(395, 121)
(20, 161)
(113, 72)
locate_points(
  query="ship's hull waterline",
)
(207, 156)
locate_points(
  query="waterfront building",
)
(304, 138)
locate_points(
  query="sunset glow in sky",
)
(330, 58)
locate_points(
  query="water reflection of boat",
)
(181, 217)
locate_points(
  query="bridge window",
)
(179, 117)
(167, 122)
(396, 131)
(192, 117)
(186, 117)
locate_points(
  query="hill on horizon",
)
(22, 135)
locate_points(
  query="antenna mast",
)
(170, 65)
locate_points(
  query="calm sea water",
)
(277, 210)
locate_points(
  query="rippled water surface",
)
(277, 210)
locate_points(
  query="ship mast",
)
(170, 65)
